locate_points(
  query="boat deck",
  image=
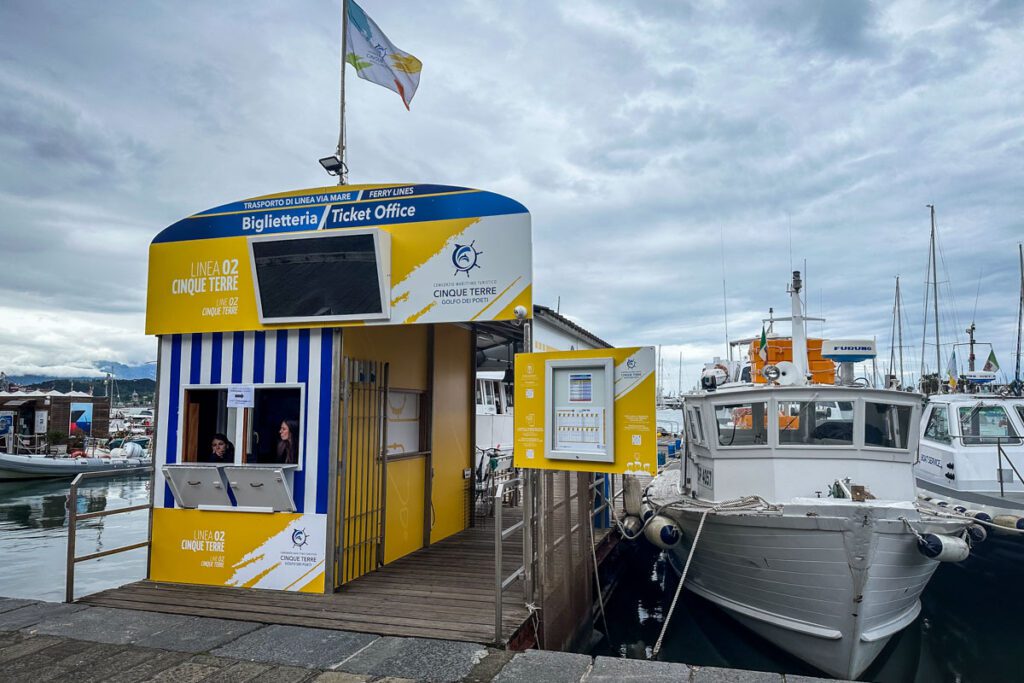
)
(443, 591)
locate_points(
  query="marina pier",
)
(51, 641)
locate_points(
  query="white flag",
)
(376, 59)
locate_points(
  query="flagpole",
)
(343, 172)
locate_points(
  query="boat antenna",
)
(799, 330)
(725, 301)
(1020, 320)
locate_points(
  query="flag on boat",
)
(376, 59)
(951, 369)
(991, 365)
(763, 351)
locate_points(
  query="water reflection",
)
(967, 629)
(33, 535)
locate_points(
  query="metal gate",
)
(363, 469)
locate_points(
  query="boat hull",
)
(18, 467)
(829, 585)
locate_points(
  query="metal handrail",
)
(73, 518)
(501, 583)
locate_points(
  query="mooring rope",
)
(682, 580)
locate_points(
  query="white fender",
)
(663, 532)
(943, 548)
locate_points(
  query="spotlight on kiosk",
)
(333, 165)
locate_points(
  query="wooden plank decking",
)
(443, 591)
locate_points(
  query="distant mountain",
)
(120, 371)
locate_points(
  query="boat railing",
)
(502, 582)
(1003, 456)
(74, 517)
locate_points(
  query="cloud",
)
(662, 147)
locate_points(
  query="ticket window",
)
(580, 407)
(254, 433)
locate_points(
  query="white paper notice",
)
(579, 429)
(240, 396)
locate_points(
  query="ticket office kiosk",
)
(345, 319)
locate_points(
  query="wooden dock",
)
(445, 591)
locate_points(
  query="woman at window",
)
(288, 446)
(222, 451)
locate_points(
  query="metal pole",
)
(343, 172)
(1020, 316)
(935, 283)
(72, 505)
(899, 326)
(498, 562)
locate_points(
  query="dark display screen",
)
(330, 276)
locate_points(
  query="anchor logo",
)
(464, 258)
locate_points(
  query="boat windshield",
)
(983, 424)
(814, 423)
(886, 425)
(938, 425)
(742, 424)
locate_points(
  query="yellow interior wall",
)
(453, 410)
(403, 346)
(404, 513)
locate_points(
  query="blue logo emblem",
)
(631, 363)
(299, 538)
(464, 258)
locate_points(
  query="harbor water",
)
(967, 630)
(34, 532)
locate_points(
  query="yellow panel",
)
(404, 519)
(403, 346)
(280, 551)
(453, 410)
(635, 423)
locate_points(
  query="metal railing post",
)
(72, 506)
(73, 518)
(498, 579)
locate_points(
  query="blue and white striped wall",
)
(302, 357)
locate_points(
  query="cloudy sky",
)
(660, 147)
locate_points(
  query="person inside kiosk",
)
(260, 472)
(288, 446)
(222, 451)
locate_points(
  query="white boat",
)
(972, 455)
(972, 442)
(41, 465)
(811, 536)
(47, 467)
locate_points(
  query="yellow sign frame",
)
(635, 422)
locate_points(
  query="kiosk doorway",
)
(362, 474)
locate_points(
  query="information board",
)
(591, 410)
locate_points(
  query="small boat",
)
(122, 455)
(972, 443)
(972, 455)
(794, 508)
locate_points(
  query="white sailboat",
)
(794, 508)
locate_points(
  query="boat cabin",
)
(962, 436)
(786, 442)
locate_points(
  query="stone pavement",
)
(53, 642)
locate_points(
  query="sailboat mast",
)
(892, 332)
(899, 326)
(935, 285)
(1020, 315)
